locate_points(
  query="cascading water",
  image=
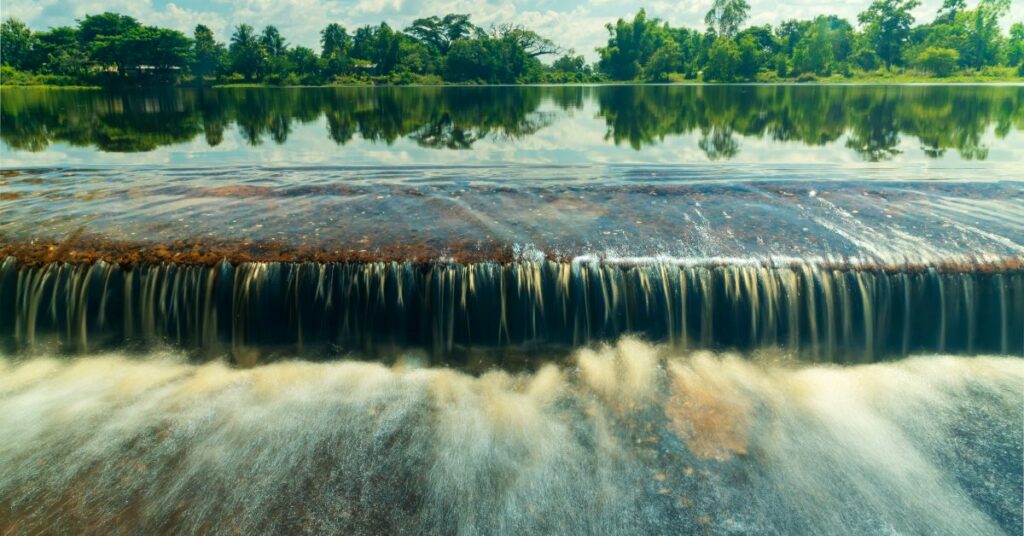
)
(572, 348)
(819, 313)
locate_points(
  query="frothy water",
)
(623, 439)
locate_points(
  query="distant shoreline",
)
(832, 81)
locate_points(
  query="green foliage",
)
(16, 44)
(438, 34)
(750, 59)
(208, 56)
(663, 62)
(723, 61)
(247, 56)
(940, 62)
(110, 48)
(1015, 45)
(887, 27)
(570, 63)
(982, 46)
(726, 16)
(631, 45)
(813, 53)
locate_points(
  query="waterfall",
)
(815, 311)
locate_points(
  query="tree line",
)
(113, 49)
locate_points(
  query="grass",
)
(12, 78)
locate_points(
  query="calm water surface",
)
(920, 126)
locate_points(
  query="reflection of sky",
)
(572, 137)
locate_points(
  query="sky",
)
(575, 24)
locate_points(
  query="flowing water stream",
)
(733, 310)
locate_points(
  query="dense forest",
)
(884, 41)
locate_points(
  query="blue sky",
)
(570, 23)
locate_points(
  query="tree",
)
(1015, 45)
(723, 60)
(471, 60)
(887, 27)
(570, 63)
(274, 45)
(528, 41)
(58, 51)
(438, 34)
(161, 48)
(663, 62)
(94, 27)
(304, 63)
(631, 45)
(939, 61)
(814, 53)
(386, 49)
(982, 31)
(335, 46)
(949, 10)
(208, 55)
(362, 43)
(334, 41)
(16, 44)
(750, 58)
(247, 56)
(726, 16)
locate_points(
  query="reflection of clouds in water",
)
(667, 125)
(630, 438)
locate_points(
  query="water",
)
(608, 309)
(919, 126)
(631, 439)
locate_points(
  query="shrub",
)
(940, 62)
(723, 60)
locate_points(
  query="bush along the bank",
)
(884, 42)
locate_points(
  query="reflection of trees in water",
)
(124, 122)
(873, 120)
(718, 143)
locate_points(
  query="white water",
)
(626, 439)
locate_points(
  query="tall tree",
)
(983, 34)
(439, 33)
(949, 10)
(528, 41)
(16, 44)
(208, 54)
(273, 43)
(334, 41)
(631, 45)
(94, 27)
(58, 51)
(1015, 46)
(887, 27)
(814, 53)
(247, 56)
(726, 16)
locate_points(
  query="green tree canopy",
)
(938, 61)
(726, 16)
(16, 44)
(209, 56)
(247, 56)
(887, 27)
(631, 45)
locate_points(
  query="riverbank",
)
(766, 79)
